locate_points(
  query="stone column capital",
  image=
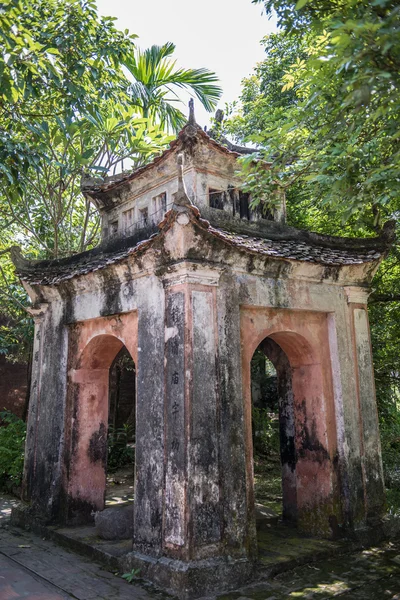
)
(356, 294)
(188, 272)
(38, 312)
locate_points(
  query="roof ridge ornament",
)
(192, 118)
(181, 200)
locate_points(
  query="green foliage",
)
(120, 453)
(324, 110)
(156, 79)
(131, 576)
(16, 331)
(12, 440)
(338, 134)
(262, 100)
(58, 51)
(45, 200)
(69, 112)
(265, 429)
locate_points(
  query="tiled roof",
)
(189, 132)
(297, 249)
(319, 249)
(53, 272)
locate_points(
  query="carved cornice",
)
(357, 295)
(38, 312)
(191, 273)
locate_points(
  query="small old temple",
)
(190, 281)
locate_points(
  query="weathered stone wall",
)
(191, 311)
(205, 168)
(45, 427)
(150, 428)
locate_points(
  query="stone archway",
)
(299, 348)
(93, 348)
(283, 391)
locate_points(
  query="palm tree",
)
(156, 80)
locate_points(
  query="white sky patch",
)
(220, 35)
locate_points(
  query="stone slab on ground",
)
(372, 574)
(74, 576)
(16, 583)
(363, 574)
(280, 547)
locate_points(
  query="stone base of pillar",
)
(193, 579)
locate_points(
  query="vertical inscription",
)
(175, 397)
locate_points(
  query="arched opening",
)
(273, 434)
(102, 394)
(302, 397)
(121, 429)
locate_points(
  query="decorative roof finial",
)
(191, 120)
(181, 198)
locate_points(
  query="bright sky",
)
(221, 35)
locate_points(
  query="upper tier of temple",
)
(131, 201)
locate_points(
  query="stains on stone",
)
(111, 290)
(310, 446)
(67, 294)
(278, 294)
(150, 441)
(206, 523)
(331, 272)
(97, 449)
(156, 518)
(335, 527)
(250, 264)
(74, 398)
(80, 511)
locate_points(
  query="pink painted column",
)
(93, 345)
(87, 475)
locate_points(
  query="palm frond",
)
(155, 74)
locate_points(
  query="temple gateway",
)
(190, 281)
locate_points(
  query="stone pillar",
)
(235, 439)
(42, 483)
(194, 552)
(34, 401)
(371, 456)
(193, 517)
(149, 461)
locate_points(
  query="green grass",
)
(268, 481)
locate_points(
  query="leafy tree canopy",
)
(69, 108)
(324, 110)
(334, 127)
